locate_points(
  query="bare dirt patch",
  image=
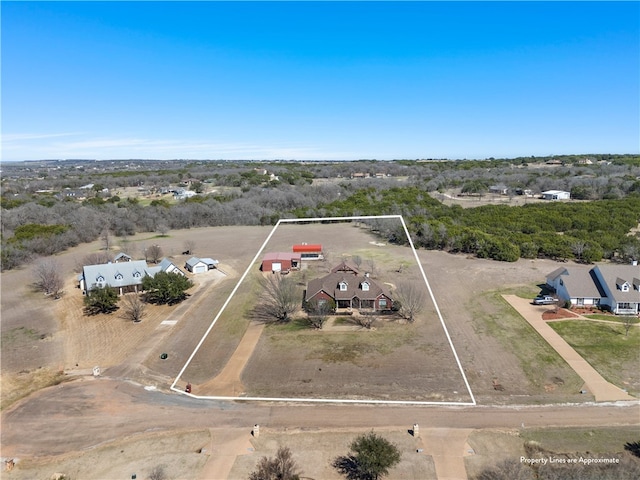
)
(178, 453)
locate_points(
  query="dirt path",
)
(228, 382)
(447, 447)
(596, 384)
(226, 446)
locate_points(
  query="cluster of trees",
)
(585, 231)
(371, 458)
(36, 223)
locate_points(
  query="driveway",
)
(595, 383)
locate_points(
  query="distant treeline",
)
(38, 219)
(585, 231)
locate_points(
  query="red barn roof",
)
(307, 248)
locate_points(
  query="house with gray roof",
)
(200, 265)
(346, 287)
(613, 287)
(125, 276)
(167, 266)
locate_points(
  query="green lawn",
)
(615, 356)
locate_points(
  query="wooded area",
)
(48, 206)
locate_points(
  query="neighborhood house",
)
(613, 287)
(124, 276)
(346, 287)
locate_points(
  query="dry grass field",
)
(42, 337)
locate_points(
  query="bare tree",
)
(163, 229)
(189, 247)
(371, 264)
(628, 321)
(282, 467)
(96, 258)
(319, 314)
(577, 248)
(105, 236)
(357, 260)
(158, 473)
(48, 278)
(134, 308)
(281, 296)
(154, 253)
(365, 321)
(411, 299)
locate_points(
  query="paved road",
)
(596, 384)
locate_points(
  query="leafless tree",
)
(365, 321)
(163, 229)
(282, 467)
(628, 321)
(318, 315)
(357, 260)
(189, 246)
(96, 258)
(411, 298)
(158, 473)
(577, 248)
(154, 253)
(371, 265)
(48, 278)
(281, 296)
(134, 308)
(105, 236)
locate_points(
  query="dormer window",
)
(624, 287)
(100, 279)
(343, 286)
(119, 276)
(365, 287)
(136, 274)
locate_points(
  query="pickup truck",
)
(544, 300)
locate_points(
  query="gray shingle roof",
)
(116, 274)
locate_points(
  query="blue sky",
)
(315, 81)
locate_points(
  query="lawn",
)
(539, 361)
(611, 318)
(615, 356)
(594, 440)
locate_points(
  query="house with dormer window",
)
(125, 276)
(346, 288)
(613, 287)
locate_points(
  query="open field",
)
(487, 333)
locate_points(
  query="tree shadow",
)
(633, 448)
(350, 468)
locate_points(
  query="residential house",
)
(346, 287)
(556, 195)
(613, 287)
(125, 277)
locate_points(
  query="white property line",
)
(325, 400)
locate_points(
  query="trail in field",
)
(228, 383)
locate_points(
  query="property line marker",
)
(325, 400)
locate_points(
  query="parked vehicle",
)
(544, 300)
